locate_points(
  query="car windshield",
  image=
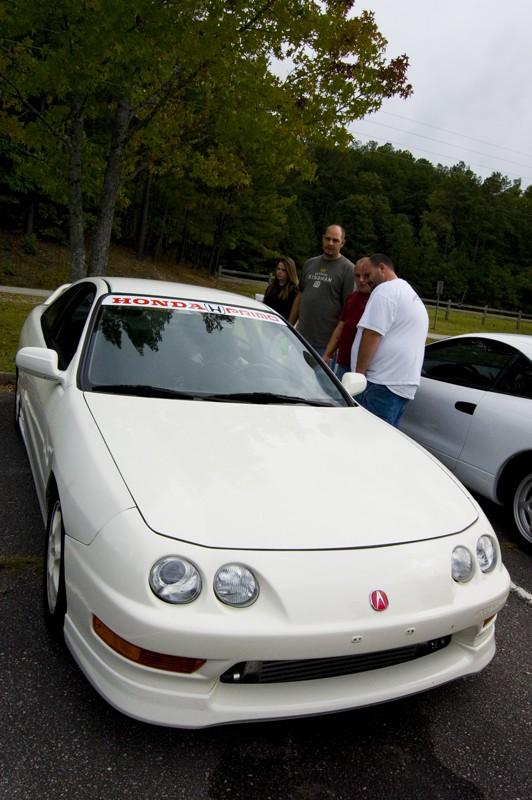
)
(161, 347)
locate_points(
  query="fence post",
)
(518, 320)
(484, 315)
(448, 309)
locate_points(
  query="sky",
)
(471, 70)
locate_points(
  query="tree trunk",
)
(30, 215)
(75, 204)
(111, 184)
(143, 227)
(217, 244)
(160, 239)
(181, 251)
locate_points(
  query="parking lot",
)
(469, 739)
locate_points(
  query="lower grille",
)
(312, 668)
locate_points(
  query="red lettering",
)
(121, 300)
(163, 303)
(178, 304)
(141, 301)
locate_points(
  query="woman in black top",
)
(283, 290)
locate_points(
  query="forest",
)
(218, 133)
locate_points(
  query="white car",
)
(229, 535)
(473, 410)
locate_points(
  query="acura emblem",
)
(378, 600)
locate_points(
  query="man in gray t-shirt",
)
(325, 283)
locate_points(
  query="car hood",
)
(243, 476)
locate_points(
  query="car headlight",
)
(486, 553)
(175, 580)
(236, 585)
(461, 564)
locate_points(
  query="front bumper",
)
(313, 604)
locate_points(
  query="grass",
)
(14, 309)
(15, 563)
(49, 268)
(471, 322)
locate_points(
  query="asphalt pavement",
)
(469, 740)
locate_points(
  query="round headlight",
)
(175, 580)
(461, 564)
(486, 553)
(236, 585)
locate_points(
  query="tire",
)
(522, 511)
(17, 407)
(54, 572)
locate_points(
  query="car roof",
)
(520, 341)
(121, 285)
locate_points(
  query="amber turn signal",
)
(145, 657)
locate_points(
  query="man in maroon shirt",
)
(343, 335)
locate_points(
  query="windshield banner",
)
(190, 305)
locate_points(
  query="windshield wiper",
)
(143, 390)
(269, 398)
(265, 397)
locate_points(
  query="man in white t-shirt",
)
(390, 341)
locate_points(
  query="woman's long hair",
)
(283, 292)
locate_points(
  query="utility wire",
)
(455, 133)
(371, 137)
(449, 144)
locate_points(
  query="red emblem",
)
(378, 600)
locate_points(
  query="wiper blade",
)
(267, 398)
(143, 390)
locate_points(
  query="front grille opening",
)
(310, 669)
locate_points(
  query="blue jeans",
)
(340, 370)
(384, 403)
(332, 361)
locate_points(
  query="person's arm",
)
(294, 314)
(332, 344)
(369, 343)
(348, 285)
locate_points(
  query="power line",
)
(447, 157)
(449, 144)
(455, 133)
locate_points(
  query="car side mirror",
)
(40, 362)
(354, 382)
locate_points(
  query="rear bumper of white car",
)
(313, 605)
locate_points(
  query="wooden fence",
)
(446, 308)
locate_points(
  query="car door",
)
(62, 325)
(500, 428)
(456, 375)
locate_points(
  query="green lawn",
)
(470, 322)
(15, 308)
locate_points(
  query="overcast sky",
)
(471, 69)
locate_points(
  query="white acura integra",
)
(229, 535)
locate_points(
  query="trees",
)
(94, 93)
(436, 223)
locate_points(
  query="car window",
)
(191, 351)
(474, 362)
(64, 320)
(517, 379)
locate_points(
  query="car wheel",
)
(54, 571)
(17, 405)
(522, 510)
